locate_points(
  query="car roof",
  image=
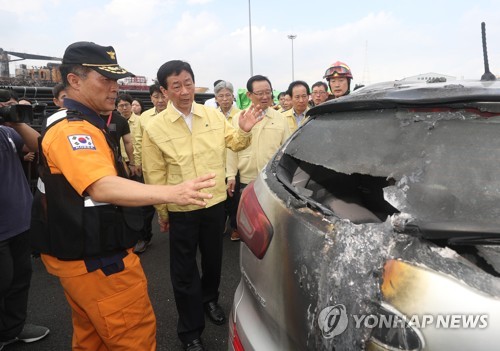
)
(416, 94)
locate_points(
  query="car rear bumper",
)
(249, 329)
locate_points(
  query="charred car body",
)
(376, 226)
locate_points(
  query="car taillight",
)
(254, 227)
(237, 346)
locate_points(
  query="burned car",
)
(376, 226)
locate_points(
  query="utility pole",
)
(250, 33)
(292, 37)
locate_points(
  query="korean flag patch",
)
(81, 141)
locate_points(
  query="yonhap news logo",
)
(334, 320)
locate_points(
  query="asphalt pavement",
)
(48, 306)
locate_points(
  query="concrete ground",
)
(48, 306)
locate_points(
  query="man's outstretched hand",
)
(188, 192)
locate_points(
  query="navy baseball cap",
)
(101, 59)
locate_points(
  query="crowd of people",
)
(190, 161)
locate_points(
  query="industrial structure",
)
(47, 75)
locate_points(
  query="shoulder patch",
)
(81, 141)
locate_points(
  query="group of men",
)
(88, 215)
(243, 167)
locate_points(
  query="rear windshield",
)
(443, 166)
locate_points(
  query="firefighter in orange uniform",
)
(87, 221)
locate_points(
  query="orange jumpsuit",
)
(108, 312)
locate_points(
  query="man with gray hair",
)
(211, 102)
(224, 96)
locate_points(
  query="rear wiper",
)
(455, 233)
(305, 196)
(283, 174)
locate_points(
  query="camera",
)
(39, 112)
(16, 114)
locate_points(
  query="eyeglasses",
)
(262, 93)
(225, 96)
(319, 92)
(125, 105)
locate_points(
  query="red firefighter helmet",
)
(338, 69)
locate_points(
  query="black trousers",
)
(15, 277)
(148, 213)
(189, 231)
(233, 202)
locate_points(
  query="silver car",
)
(377, 226)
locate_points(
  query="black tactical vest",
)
(63, 227)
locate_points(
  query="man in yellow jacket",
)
(224, 96)
(299, 91)
(186, 139)
(267, 137)
(159, 104)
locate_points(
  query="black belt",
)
(108, 265)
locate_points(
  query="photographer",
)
(15, 217)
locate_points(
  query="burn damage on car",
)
(390, 186)
(376, 226)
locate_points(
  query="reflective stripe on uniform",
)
(91, 203)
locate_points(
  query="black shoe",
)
(195, 345)
(30, 333)
(215, 313)
(140, 247)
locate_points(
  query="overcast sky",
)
(380, 40)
